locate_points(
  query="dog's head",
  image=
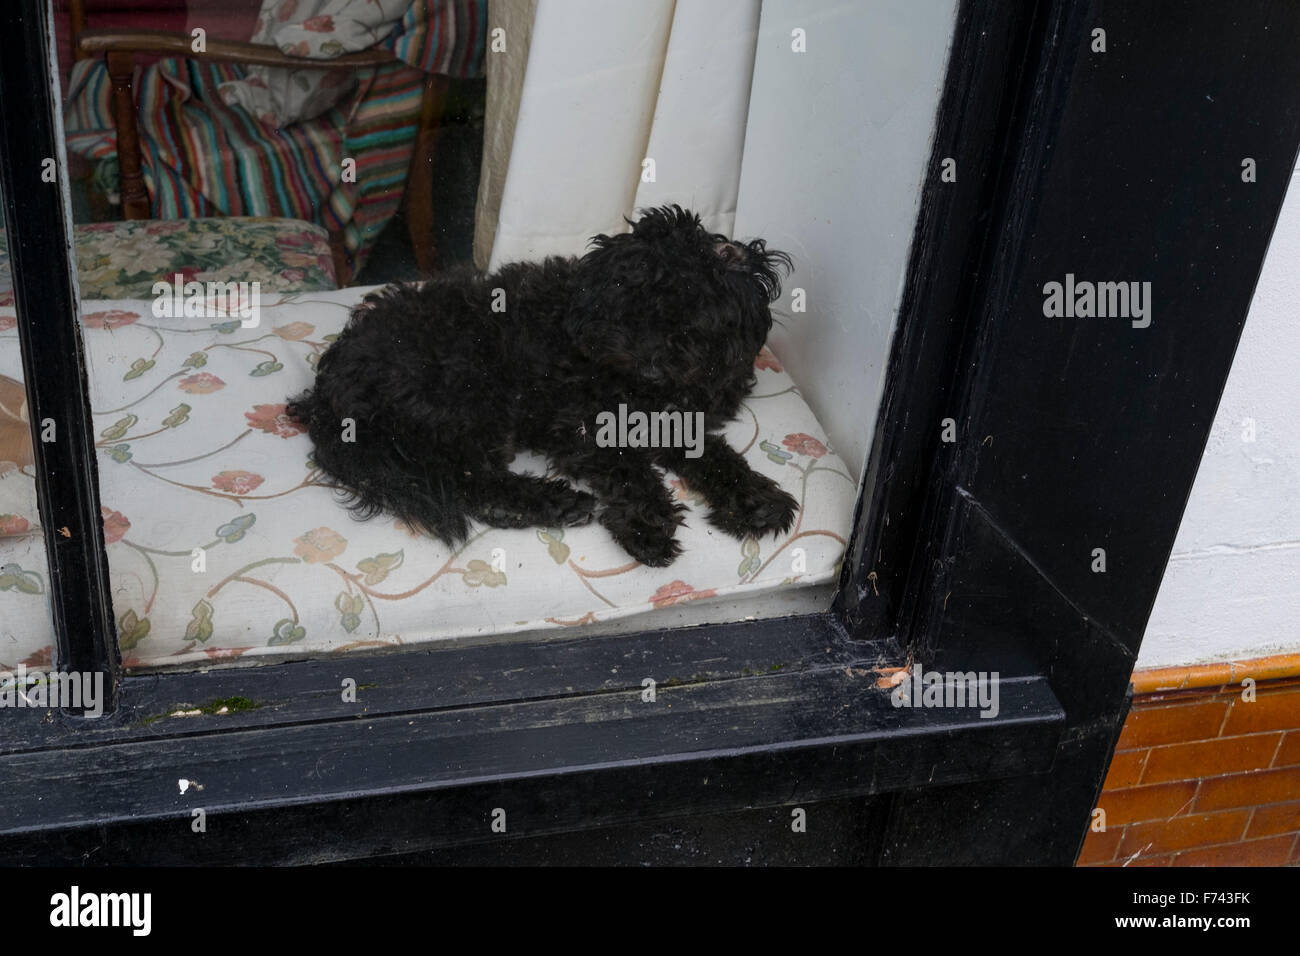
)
(675, 308)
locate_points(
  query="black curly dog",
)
(442, 390)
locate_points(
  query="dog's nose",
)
(729, 252)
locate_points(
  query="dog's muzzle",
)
(731, 253)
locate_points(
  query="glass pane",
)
(26, 629)
(532, 440)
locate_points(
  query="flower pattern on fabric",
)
(676, 592)
(237, 482)
(274, 420)
(319, 546)
(123, 260)
(203, 383)
(13, 525)
(225, 542)
(111, 319)
(115, 525)
(804, 445)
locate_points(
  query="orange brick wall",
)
(1203, 777)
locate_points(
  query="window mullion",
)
(33, 173)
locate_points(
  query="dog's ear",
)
(662, 221)
(614, 305)
(653, 224)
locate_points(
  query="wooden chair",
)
(120, 49)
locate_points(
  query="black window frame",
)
(942, 568)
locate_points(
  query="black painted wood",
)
(817, 735)
(453, 829)
(1083, 433)
(772, 709)
(448, 677)
(989, 81)
(53, 356)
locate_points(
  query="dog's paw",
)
(573, 509)
(548, 503)
(648, 535)
(653, 550)
(761, 507)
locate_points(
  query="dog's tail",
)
(374, 475)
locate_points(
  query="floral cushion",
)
(223, 540)
(122, 260)
(320, 29)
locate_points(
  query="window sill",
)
(555, 732)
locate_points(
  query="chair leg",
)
(135, 198)
(419, 184)
(77, 26)
(342, 261)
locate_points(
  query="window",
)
(229, 215)
(899, 155)
(25, 578)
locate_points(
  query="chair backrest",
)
(223, 19)
(120, 49)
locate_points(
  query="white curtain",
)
(598, 88)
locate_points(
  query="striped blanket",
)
(203, 158)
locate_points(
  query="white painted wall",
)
(1232, 588)
(836, 146)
